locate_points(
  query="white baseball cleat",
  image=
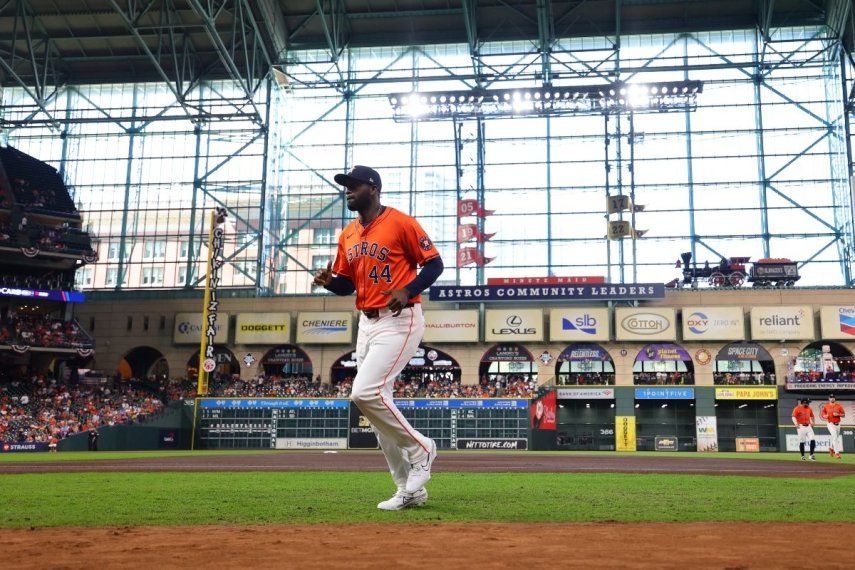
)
(402, 500)
(812, 458)
(420, 471)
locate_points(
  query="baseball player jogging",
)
(832, 413)
(377, 257)
(803, 419)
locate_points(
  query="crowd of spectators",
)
(663, 378)
(5, 232)
(587, 379)
(815, 376)
(743, 378)
(43, 409)
(42, 330)
(32, 195)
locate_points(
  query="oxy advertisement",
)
(713, 323)
(645, 323)
(325, 328)
(579, 324)
(837, 322)
(782, 323)
(263, 328)
(188, 328)
(451, 326)
(514, 325)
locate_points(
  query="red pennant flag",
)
(466, 232)
(470, 207)
(470, 255)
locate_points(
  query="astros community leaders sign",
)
(325, 328)
(263, 328)
(588, 292)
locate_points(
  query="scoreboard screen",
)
(310, 423)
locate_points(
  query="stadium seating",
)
(41, 409)
(35, 185)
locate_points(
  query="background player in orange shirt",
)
(377, 257)
(832, 413)
(803, 419)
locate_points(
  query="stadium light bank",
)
(610, 98)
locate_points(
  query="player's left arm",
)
(419, 249)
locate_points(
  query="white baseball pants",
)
(836, 438)
(383, 347)
(805, 434)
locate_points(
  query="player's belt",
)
(804, 425)
(374, 313)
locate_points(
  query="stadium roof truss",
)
(50, 47)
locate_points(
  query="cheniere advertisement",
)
(325, 328)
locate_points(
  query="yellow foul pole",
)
(206, 340)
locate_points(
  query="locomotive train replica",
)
(734, 272)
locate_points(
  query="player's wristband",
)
(341, 285)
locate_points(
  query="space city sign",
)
(582, 292)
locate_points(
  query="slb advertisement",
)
(580, 324)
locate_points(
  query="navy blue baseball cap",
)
(359, 175)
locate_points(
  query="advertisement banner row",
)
(565, 324)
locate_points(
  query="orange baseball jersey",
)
(803, 415)
(382, 255)
(828, 410)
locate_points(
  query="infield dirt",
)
(601, 545)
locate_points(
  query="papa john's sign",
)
(451, 326)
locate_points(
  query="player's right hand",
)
(324, 277)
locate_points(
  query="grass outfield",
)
(90, 455)
(99, 499)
